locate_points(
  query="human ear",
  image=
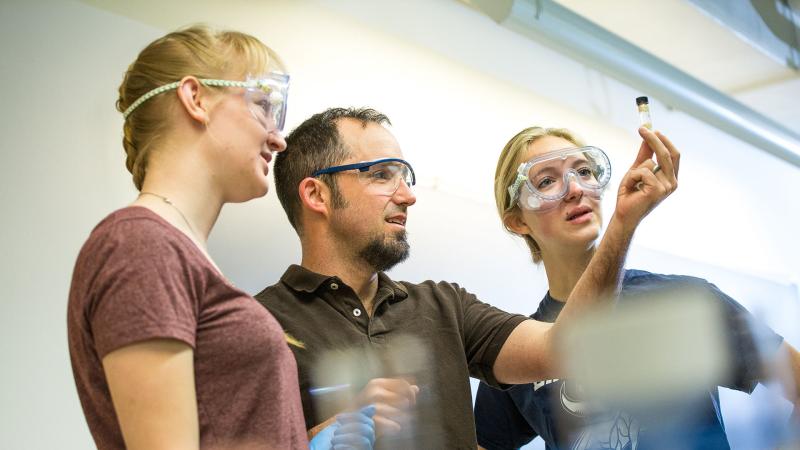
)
(314, 195)
(192, 99)
(514, 222)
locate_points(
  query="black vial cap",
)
(641, 101)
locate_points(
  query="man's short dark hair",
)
(314, 145)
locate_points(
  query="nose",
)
(275, 141)
(574, 190)
(404, 195)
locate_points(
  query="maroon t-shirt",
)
(137, 278)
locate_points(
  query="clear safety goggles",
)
(381, 177)
(543, 181)
(266, 97)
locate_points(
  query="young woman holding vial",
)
(548, 186)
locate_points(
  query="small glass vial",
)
(644, 112)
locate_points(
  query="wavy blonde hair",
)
(506, 173)
(197, 50)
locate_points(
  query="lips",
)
(577, 212)
(399, 219)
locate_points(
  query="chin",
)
(252, 193)
(587, 237)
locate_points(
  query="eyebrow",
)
(575, 161)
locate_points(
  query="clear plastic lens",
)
(267, 98)
(385, 177)
(549, 176)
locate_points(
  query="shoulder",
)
(640, 282)
(442, 295)
(640, 279)
(272, 296)
(438, 289)
(134, 240)
(135, 228)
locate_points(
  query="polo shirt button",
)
(357, 312)
(334, 286)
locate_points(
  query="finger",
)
(355, 428)
(354, 433)
(673, 151)
(368, 411)
(646, 165)
(636, 179)
(384, 425)
(397, 385)
(670, 183)
(396, 392)
(402, 387)
(385, 397)
(355, 445)
(651, 183)
(662, 154)
(389, 412)
(355, 417)
(645, 153)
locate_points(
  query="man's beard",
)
(382, 255)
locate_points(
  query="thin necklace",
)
(169, 202)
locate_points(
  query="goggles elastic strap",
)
(148, 96)
(513, 190)
(218, 83)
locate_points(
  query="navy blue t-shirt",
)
(509, 419)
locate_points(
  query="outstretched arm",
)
(529, 353)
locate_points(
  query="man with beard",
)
(346, 190)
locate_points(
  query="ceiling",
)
(685, 36)
(676, 31)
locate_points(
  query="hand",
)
(643, 187)
(322, 440)
(356, 430)
(392, 398)
(351, 431)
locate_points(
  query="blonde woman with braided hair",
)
(165, 351)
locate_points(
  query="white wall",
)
(454, 99)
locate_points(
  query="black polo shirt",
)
(461, 337)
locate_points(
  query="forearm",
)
(531, 351)
(600, 283)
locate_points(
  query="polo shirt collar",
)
(301, 279)
(400, 291)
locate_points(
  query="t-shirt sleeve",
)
(749, 341)
(486, 329)
(498, 422)
(141, 287)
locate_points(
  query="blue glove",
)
(322, 440)
(355, 430)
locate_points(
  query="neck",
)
(564, 268)
(324, 257)
(195, 204)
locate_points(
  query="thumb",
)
(368, 411)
